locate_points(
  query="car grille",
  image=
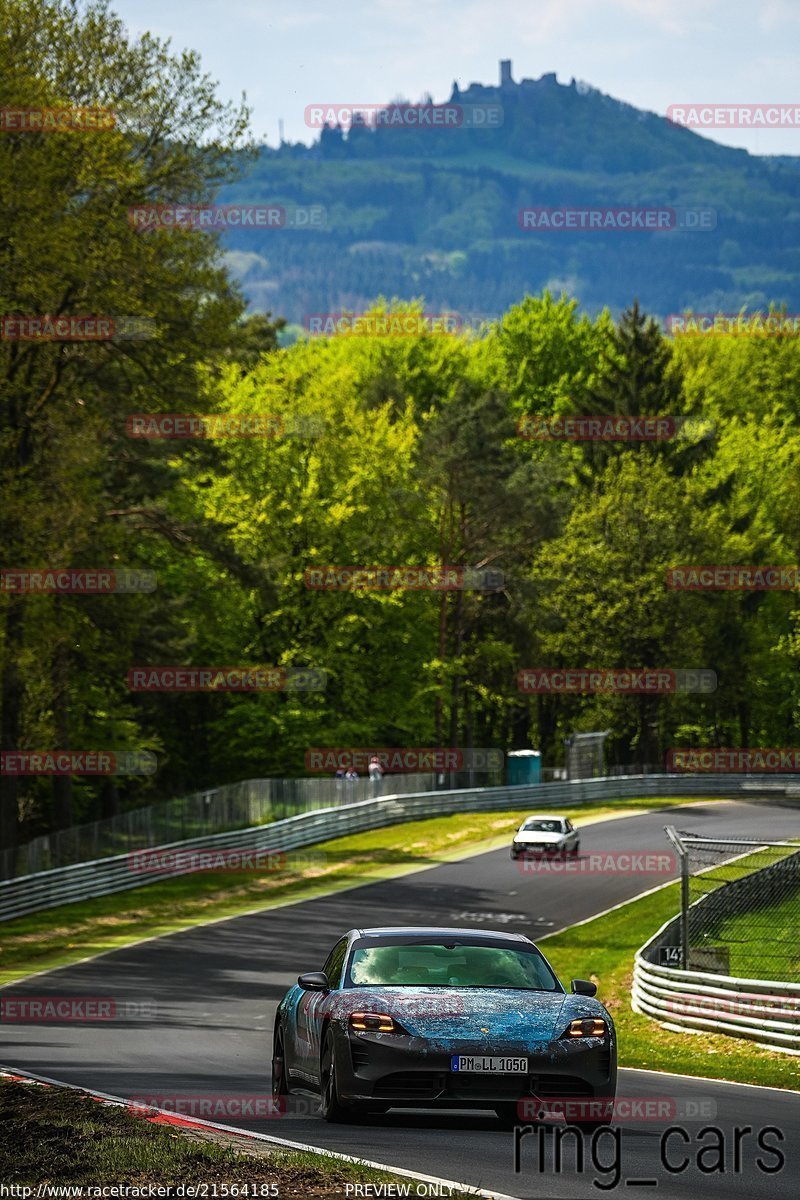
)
(428, 1085)
(423, 1084)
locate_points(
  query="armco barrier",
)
(32, 893)
(762, 1010)
(215, 810)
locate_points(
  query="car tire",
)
(330, 1105)
(280, 1075)
(575, 849)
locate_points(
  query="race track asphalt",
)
(201, 1005)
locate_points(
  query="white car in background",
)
(543, 834)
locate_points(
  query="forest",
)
(361, 452)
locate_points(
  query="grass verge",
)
(603, 950)
(763, 943)
(61, 1137)
(71, 932)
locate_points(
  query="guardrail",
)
(764, 1011)
(760, 1010)
(81, 881)
(215, 810)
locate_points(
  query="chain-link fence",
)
(232, 806)
(740, 907)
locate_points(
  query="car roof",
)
(546, 817)
(438, 931)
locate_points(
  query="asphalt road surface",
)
(197, 1008)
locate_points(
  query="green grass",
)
(603, 950)
(63, 935)
(53, 1135)
(763, 944)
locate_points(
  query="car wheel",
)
(331, 1106)
(280, 1076)
(575, 849)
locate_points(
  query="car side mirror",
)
(314, 981)
(582, 987)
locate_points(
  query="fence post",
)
(683, 855)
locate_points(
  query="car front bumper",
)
(518, 849)
(401, 1070)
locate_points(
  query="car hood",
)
(536, 837)
(479, 1015)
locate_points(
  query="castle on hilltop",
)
(507, 83)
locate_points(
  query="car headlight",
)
(586, 1027)
(372, 1022)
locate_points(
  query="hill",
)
(435, 211)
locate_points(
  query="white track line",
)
(265, 1137)
(765, 1087)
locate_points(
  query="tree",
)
(173, 141)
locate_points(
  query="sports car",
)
(448, 1018)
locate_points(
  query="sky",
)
(650, 53)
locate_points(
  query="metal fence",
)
(729, 962)
(741, 907)
(31, 893)
(231, 806)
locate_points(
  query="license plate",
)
(481, 1064)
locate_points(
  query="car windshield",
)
(543, 826)
(459, 965)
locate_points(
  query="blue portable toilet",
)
(524, 766)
